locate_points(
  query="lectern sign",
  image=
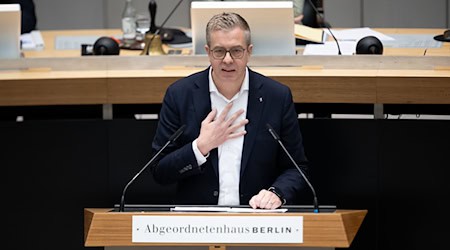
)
(217, 229)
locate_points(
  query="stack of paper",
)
(32, 40)
(227, 209)
(330, 48)
(308, 33)
(357, 33)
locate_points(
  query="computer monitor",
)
(9, 31)
(271, 24)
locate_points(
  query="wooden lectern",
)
(102, 227)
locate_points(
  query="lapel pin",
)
(260, 99)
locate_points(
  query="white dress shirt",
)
(230, 152)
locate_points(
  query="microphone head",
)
(272, 132)
(369, 45)
(444, 37)
(177, 133)
(106, 46)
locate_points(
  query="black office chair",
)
(309, 19)
(309, 15)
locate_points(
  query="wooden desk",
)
(50, 36)
(334, 229)
(136, 80)
(443, 51)
(53, 77)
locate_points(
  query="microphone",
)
(444, 37)
(277, 138)
(102, 46)
(152, 9)
(106, 46)
(326, 24)
(369, 45)
(173, 138)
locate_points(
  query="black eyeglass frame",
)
(228, 51)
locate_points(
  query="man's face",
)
(232, 67)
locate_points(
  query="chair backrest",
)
(309, 15)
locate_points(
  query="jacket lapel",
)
(201, 99)
(254, 111)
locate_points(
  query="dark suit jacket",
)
(264, 164)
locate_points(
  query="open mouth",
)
(228, 70)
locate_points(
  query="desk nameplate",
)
(217, 229)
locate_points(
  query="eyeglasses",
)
(235, 53)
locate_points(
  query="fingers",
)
(233, 129)
(266, 200)
(230, 128)
(225, 112)
(210, 117)
(233, 117)
(214, 131)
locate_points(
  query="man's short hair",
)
(227, 21)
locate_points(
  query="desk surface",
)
(50, 51)
(141, 80)
(52, 77)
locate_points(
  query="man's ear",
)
(250, 49)
(207, 49)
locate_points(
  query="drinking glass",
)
(142, 25)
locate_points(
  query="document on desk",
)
(73, 42)
(32, 40)
(226, 209)
(330, 48)
(309, 34)
(412, 41)
(358, 33)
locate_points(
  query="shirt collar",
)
(213, 88)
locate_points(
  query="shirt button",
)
(216, 193)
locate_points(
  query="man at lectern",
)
(226, 155)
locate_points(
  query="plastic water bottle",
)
(129, 21)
